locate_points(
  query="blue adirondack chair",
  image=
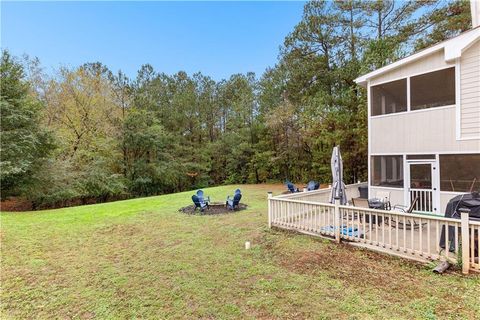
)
(233, 202)
(312, 185)
(199, 204)
(202, 198)
(291, 187)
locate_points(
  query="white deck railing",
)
(414, 236)
(323, 195)
(424, 199)
(474, 255)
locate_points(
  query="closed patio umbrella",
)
(338, 187)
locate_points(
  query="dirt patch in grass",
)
(358, 268)
(343, 261)
(15, 204)
(19, 204)
(213, 208)
(397, 280)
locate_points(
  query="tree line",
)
(90, 133)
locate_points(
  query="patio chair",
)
(360, 202)
(409, 222)
(202, 198)
(233, 202)
(406, 209)
(312, 185)
(291, 187)
(363, 203)
(199, 204)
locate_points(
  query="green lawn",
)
(143, 259)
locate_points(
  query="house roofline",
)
(453, 49)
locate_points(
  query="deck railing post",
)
(465, 242)
(270, 209)
(337, 220)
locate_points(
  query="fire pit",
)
(214, 208)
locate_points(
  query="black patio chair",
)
(409, 222)
(199, 204)
(312, 185)
(291, 187)
(232, 203)
(202, 198)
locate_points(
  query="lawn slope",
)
(141, 258)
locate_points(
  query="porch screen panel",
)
(460, 172)
(390, 97)
(433, 89)
(387, 171)
(420, 156)
(420, 176)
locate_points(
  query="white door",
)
(422, 185)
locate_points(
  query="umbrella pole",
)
(337, 220)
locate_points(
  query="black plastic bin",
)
(363, 192)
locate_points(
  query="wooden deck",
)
(410, 235)
(424, 241)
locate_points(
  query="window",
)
(434, 89)
(389, 97)
(460, 172)
(387, 171)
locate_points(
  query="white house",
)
(423, 148)
(424, 124)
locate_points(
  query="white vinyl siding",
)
(435, 61)
(470, 92)
(422, 131)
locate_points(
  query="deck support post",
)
(269, 209)
(337, 220)
(465, 242)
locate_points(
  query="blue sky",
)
(216, 38)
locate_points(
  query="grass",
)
(141, 258)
